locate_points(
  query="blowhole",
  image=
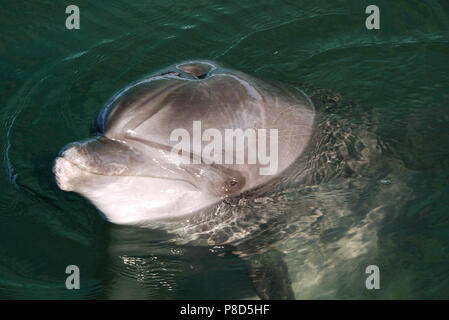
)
(197, 69)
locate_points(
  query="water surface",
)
(54, 81)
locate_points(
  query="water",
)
(54, 81)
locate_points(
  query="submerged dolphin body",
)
(130, 173)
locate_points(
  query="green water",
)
(53, 81)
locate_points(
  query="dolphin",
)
(186, 140)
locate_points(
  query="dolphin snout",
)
(198, 70)
(65, 172)
(71, 166)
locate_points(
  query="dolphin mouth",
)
(68, 172)
(76, 165)
(72, 167)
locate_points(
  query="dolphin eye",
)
(232, 182)
(232, 185)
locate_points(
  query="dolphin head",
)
(184, 139)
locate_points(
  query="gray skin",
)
(127, 172)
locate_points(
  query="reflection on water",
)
(373, 188)
(144, 264)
